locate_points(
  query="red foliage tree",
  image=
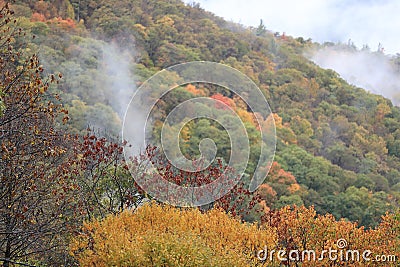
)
(226, 101)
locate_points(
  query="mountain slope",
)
(341, 143)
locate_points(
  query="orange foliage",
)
(266, 193)
(300, 228)
(279, 175)
(240, 103)
(278, 120)
(192, 89)
(38, 17)
(42, 7)
(65, 24)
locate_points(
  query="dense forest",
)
(68, 69)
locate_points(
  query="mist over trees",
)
(371, 70)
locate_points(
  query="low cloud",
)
(374, 23)
(365, 22)
(372, 71)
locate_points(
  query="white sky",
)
(363, 21)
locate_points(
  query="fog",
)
(116, 67)
(365, 22)
(372, 71)
(373, 23)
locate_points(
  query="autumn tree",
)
(106, 181)
(36, 204)
(238, 201)
(161, 235)
(302, 229)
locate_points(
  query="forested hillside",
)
(338, 146)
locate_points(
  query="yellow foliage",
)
(294, 188)
(141, 29)
(166, 20)
(160, 235)
(157, 235)
(246, 116)
(302, 229)
(284, 132)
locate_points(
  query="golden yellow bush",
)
(159, 235)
